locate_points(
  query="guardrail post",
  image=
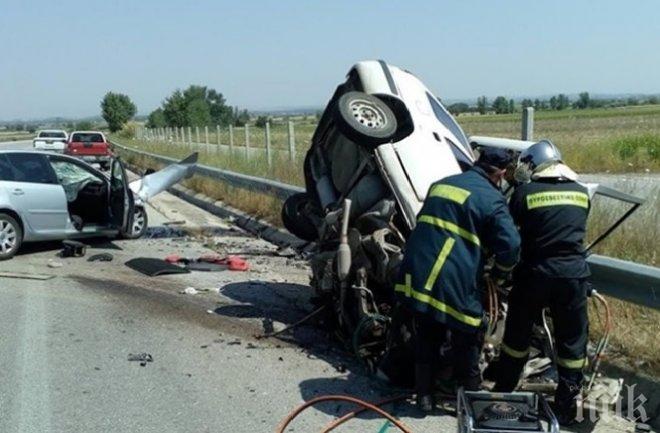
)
(528, 124)
(247, 141)
(269, 155)
(292, 141)
(231, 138)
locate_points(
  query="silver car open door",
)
(121, 200)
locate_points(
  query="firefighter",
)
(551, 209)
(463, 217)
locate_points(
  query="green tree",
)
(458, 108)
(654, 100)
(500, 105)
(261, 121)
(156, 119)
(198, 113)
(562, 102)
(84, 125)
(583, 101)
(174, 109)
(482, 104)
(117, 109)
(241, 117)
(527, 103)
(512, 106)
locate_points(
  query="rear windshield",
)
(87, 138)
(52, 134)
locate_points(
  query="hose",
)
(367, 406)
(350, 415)
(355, 340)
(603, 342)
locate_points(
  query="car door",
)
(35, 194)
(121, 202)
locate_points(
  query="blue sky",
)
(60, 57)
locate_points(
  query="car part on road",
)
(73, 249)
(365, 119)
(206, 266)
(11, 236)
(103, 257)
(293, 325)
(153, 267)
(142, 358)
(296, 220)
(25, 276)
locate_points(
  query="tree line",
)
(502, 105)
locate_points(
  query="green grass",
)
(15, 135)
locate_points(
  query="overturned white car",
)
(382, 140)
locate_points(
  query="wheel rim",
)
(138, 221)
(367, 114)
(7, 237)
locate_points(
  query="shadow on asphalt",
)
(56, 246)
(278, 302)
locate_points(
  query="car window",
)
(445, 118)
(6, 172)
(87, 137)
(52, 134)
(28, 167)
(69, 173)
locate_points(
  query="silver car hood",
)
(157, 182)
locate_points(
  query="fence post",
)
(206, 134)
(197, 134)
(190, 138)
(176, 134)
(231, 138)
(528, 124)
(247, 141)
(183, 136)
(269, 155)
(292, 141)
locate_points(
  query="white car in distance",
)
(53, 140)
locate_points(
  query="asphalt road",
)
(66, 341)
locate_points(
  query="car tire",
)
(11, 236)
(365, 119)
(140, 224)
(295, 219)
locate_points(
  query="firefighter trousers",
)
(567, 300)
(430, 336)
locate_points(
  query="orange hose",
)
(350, 415)
(368, 406)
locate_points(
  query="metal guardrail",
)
(621, 279)
(239, 180)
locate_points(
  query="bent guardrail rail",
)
(621, 279)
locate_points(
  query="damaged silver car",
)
(48, 196)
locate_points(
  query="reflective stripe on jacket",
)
(464, 219)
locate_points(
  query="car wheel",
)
(365, 119)
(295, 219)
(11, 236)
(140, 224)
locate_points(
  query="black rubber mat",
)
(153, 267)
(206, 267)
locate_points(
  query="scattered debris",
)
(286, 252)
(189, 291)
(174, 223)
(26, 276)
(142, 358)
(52, 264)
(210, 262)
(103, 257)
(235, 342)
(73, 249)
(153, 267)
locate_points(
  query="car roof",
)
(87, 132)
(52, 130)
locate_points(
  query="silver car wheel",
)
(8, 237)
(138, 221)
(367, 113)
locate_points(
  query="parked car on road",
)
(53, 140)
(48, 196)
(90, 146)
